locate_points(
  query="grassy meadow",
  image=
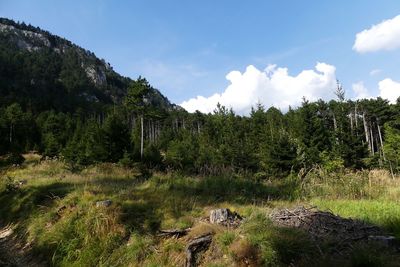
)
(53, 209)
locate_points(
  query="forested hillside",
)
(336, 134)
(42, 72)
(62, 100)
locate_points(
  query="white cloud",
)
(375, 72)
(389, 89)
(360, 91)
(272, 86)
(383, 36)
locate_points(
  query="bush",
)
(11, 159)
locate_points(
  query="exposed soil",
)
(13, 252)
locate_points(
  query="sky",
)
(237, 53)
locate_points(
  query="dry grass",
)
(124, 234)
(349, 184)
(244, 253)
(203, 228)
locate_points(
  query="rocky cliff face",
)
(33, 39)
(71, 66)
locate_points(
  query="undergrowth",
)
(55, 210)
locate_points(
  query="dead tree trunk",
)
(334, 123)
(11, 133)
(355, 115)
(366, 132)
(351, 123)
(194, 247)
(372, 140)
(141, 137)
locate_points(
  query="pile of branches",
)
(324, 226)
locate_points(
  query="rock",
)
(21, 182)
(103, 203)
(225, 217)
(96, 74)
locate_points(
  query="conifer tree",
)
(136, 100)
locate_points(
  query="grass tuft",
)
(54, 210)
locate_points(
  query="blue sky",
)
(187, 48)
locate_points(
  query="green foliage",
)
(136, 96)
(381, 212)
(279, 157)
(277, 245)
(116, 137)
(225, 239)
(11, 159)
(392, 144)
(331, 163)
(152, 156)
(56, 211)
(126, 160)
(49, 101)
(368, 256)
(87, 145)
(55, 129)
(181, 154)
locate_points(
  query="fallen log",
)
(173, 232)
(194, 247)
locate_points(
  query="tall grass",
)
(55, 211)
(349, 184)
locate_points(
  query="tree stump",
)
(225, 217)
(103, 203)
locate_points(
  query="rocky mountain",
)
(43, 71)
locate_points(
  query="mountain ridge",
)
(59, 66)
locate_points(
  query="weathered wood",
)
(381, 141)
(372, 140)
(356, 115)
(366, 132)
(324, 225)
(103, 203)
(194, 247)
(351, 123)
(225, 217)
(173, 232)
(141, 137)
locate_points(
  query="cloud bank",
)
(382, 36)
(389, 90)
(273, 86)
(360, 91)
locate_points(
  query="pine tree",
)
(136, 101)
(116, 137)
